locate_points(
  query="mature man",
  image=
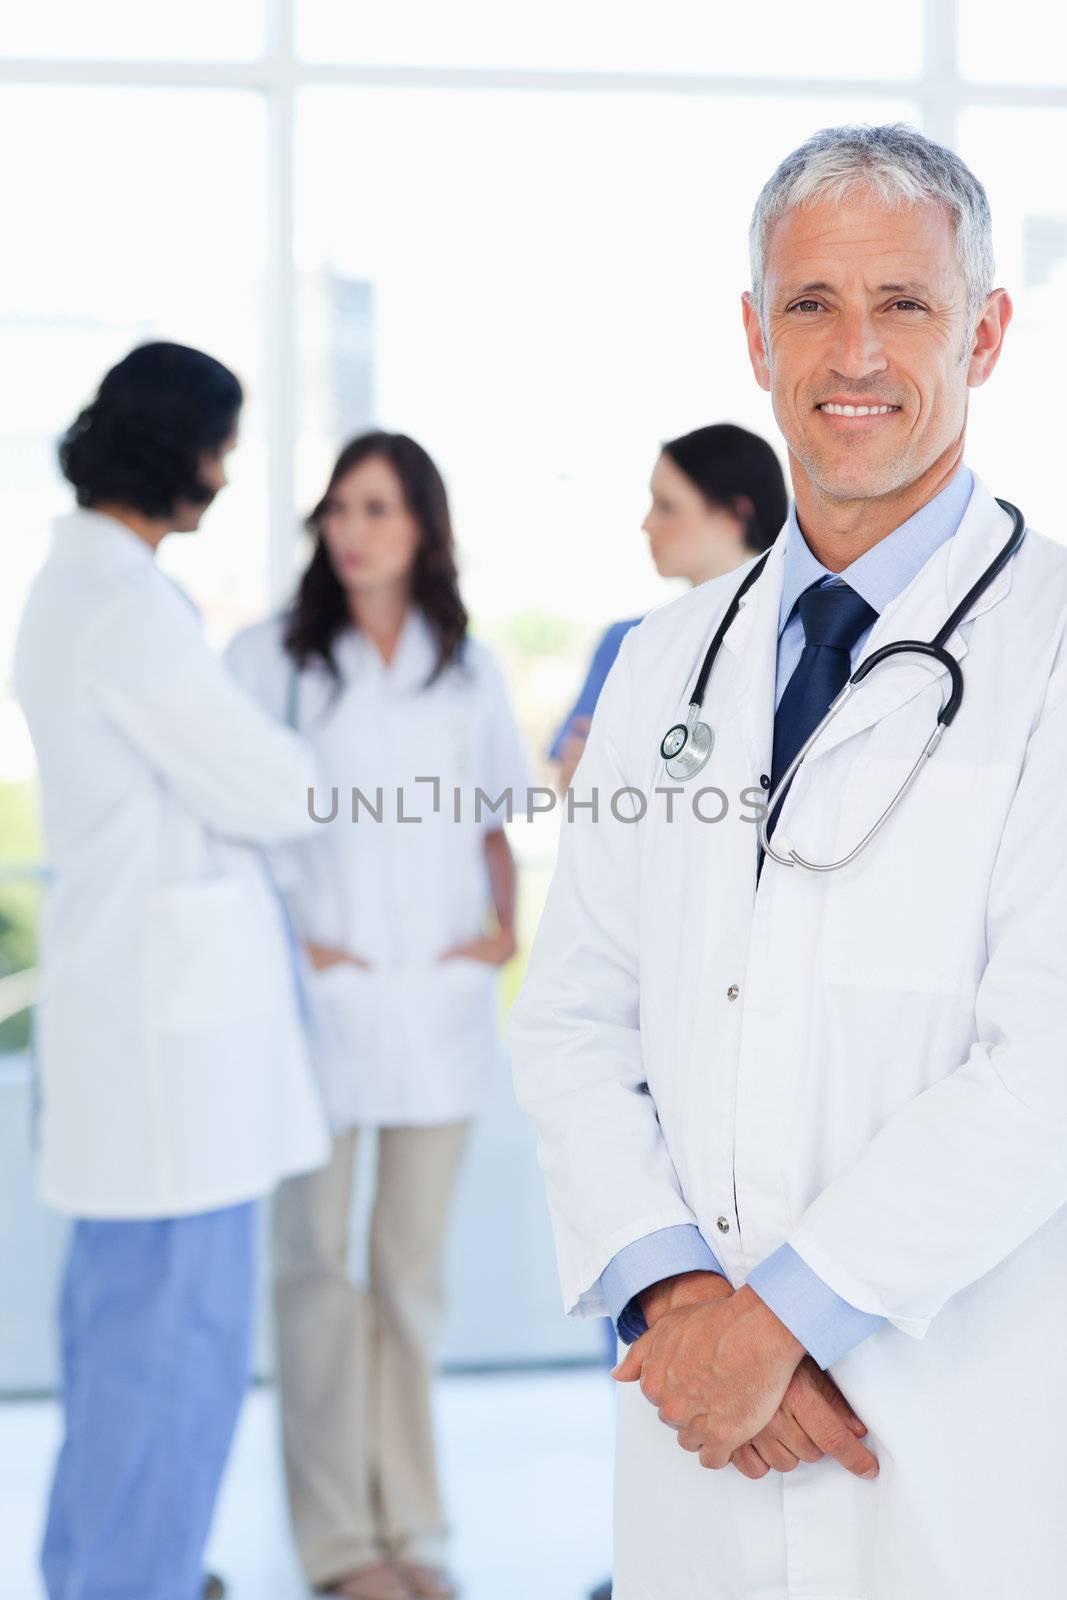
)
(805, 1133)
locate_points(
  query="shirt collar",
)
(886, 569)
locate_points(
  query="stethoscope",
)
(687, 746)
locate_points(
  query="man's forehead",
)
(888, 247)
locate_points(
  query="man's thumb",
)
(629, 1368)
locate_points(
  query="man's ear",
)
(989, 338)
(757, 350)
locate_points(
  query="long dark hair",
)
(139, 441)
(727, 464)
(320, 612)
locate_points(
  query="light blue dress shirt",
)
(827, 1326)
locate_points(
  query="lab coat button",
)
(732, 992)
(722, 1225)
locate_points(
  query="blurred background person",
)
(718, 498)
(175, 1087)
(406, 926)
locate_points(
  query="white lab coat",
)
(888, 1091)
(412, 1040)
(174, 1071)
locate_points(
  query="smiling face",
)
(869, 348)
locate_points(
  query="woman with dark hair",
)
(373, 662)
(718, 499)
(175, 1082)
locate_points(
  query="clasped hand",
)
(735, 1384)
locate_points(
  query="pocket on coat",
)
(348, 1004)
(208, 955)
(448, 1008)
(909, 913)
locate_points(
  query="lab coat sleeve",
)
(638, 1266)
(155, 679)
(963, 1174)
(257, 658)
(574, 1034)
(503, 764)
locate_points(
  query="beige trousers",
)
(355, 1365)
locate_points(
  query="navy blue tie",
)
(834, 616)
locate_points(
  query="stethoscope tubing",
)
(933, 649)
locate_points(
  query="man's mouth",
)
(834, 408)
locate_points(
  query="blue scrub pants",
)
(155, 1322)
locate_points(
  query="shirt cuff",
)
(827, 1326)
(658, 1255)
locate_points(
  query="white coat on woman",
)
(868, 1064)
(173, 1065)
(408, 1040)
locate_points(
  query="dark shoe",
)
(602, 1591)
(214, 1588)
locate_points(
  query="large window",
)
(518, 233)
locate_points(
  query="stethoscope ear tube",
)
(697, 697)
(913, 647)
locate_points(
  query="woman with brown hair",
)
(405, 927)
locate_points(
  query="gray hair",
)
(899, 165)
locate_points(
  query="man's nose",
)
(857, 350)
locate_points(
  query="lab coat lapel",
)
(752, 641)
(918, 613)
(412, 662)
(416, 653)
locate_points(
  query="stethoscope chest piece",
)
(686, 748)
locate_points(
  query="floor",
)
(527, 1468)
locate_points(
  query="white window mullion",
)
(280, 300)
(939, 94)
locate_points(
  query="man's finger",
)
(785, 1427)
(629, 1368)
(841, 1405)
(774, 1453)
(825, 1425)
(749, 1462)
(815, 1378)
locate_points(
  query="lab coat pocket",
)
(452, 1009)
(204, 955)
(909, 912)
(348, 1008)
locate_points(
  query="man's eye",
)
(907, 305)
(805, 305)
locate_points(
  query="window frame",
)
(280, 74)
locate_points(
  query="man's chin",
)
(855, 479)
